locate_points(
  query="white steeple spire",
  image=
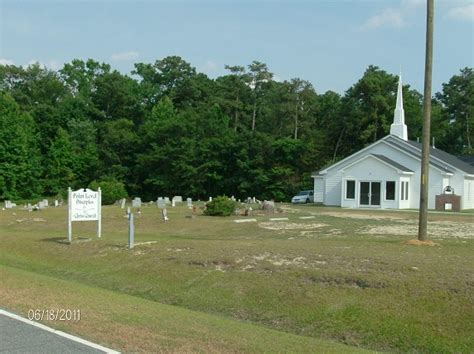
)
(398, 127)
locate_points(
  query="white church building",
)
(386, 174)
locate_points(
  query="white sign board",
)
(84, 205)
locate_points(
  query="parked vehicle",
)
(303, 197)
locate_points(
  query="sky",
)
(329, 43)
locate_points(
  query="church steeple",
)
(398, 127)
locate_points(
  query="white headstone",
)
(173, 203)
(56, 203)
(167, 200)
(122, 203)
(178, 199)
(41, 204)
(161, 203)
(8, 204)
(30, 208)
(210, 199)
(232, 198)
(189, 201)
(45, 202)
(137, 202)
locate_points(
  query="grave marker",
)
(137, 202)
(131, 231)
(189, 201)
(161, 203)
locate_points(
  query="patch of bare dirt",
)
(436, 229)
(271, 225)
(279, 260)
(420, 243)
(364, 216)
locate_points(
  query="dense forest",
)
(167, 129)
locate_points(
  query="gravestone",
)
(137, 202)
(189, 201)
(167, 200)
(178, 199)
(161, 203)
(232, 198)
(122, 203)
(210, 199)
(56, 203)
(8, 204)
(253, 200)
(269, 205)
(45, 202)
(30, 208)
(173, 203)
(41, 204)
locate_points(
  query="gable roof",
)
(385, 160)
(438, 158)
(436, 153)
(392, 163)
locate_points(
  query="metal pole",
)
(425, 154)
(131, 231)
(69, 222)
(99, 214)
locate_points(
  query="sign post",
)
(131, 231)
(84, 205)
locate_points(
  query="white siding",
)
(332, 189)
(468, 198)
(436, 179)
(318, 189)
(370, 169)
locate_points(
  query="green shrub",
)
(220, 206)
(112, 190)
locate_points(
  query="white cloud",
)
(4, 61)
(387, 18)
(413, 3)
(125, 56)
(52, 64)
(462, 13)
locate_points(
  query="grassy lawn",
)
(341, 277)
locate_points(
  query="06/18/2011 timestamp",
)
(54, 315)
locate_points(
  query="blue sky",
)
(329, 43)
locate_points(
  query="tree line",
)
(167, 129)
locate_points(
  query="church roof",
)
(438, 158)
(392, 163)
(434, 153)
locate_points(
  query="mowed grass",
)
(318, 280)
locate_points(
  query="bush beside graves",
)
(112, 190)
(220, 206)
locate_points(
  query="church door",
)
(370, 194)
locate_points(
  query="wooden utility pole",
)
(423, 218)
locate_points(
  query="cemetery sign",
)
(84, 205)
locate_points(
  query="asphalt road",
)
(20, 337)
